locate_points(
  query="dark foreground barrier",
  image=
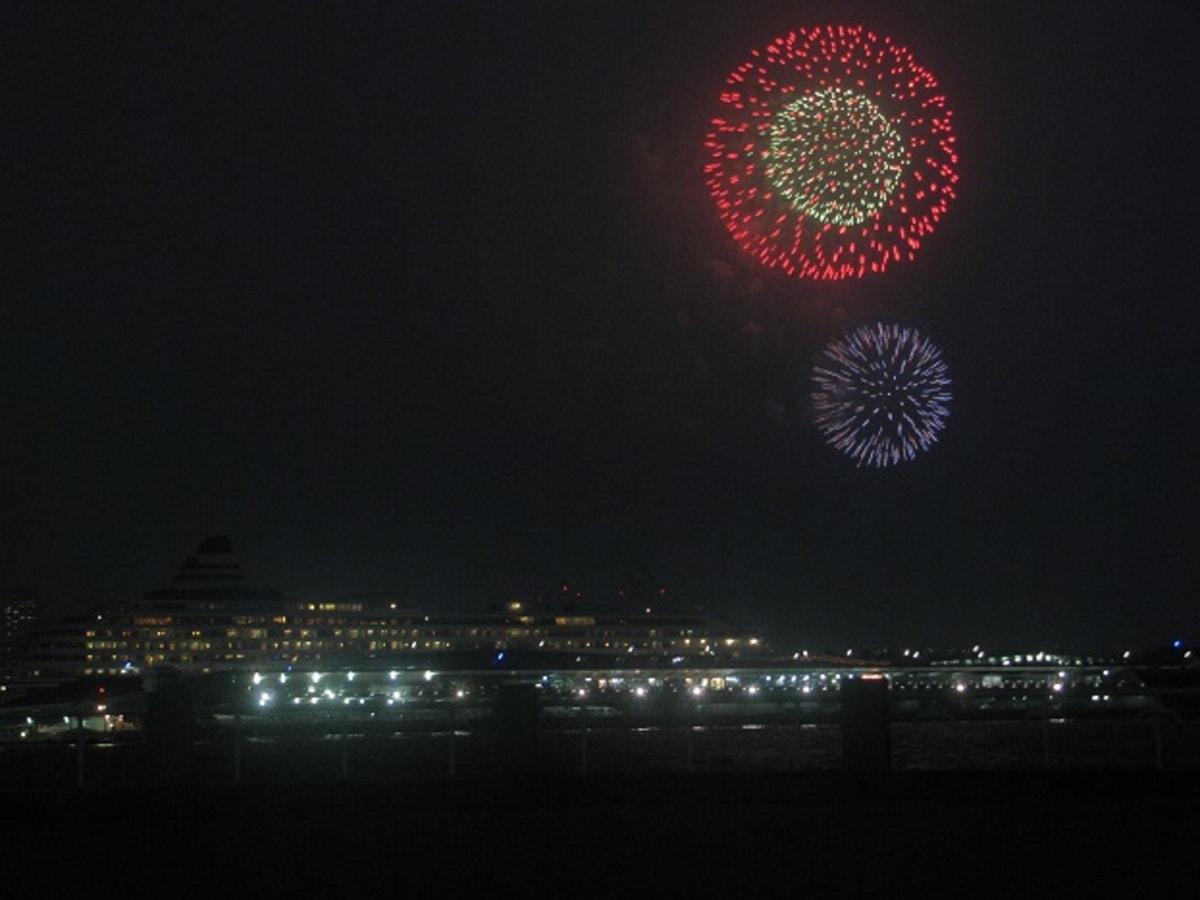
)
(517, 736)
(818, 834)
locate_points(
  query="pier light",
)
(256, 679)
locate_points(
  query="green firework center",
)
(834, 156)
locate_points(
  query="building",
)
(19, 613)
(210, 619)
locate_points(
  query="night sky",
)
(430, 299)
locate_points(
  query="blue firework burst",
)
(881, 394)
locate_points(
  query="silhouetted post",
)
(517, 714)
(695, 721)
(866, 724)
(169, 728)
(1158, 745)
(237, 746)
(345, 744)
(79, 755)
(583, 736)
(794, 741)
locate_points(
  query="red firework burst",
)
(833, 155)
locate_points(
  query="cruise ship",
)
(209, 619)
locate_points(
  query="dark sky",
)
(430, 299)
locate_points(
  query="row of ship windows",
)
(475, 637)
(96, 648)
(618, 634)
